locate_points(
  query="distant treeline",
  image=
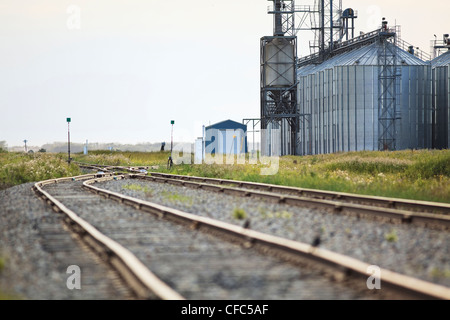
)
(58, 147)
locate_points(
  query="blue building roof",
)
(228, 124)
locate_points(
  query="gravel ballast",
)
(38, 251)
(200, 266)
(411, 250)
(36, 265)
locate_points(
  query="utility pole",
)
(68, 138)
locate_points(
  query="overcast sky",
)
(122, 70)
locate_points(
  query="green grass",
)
(116, 158)
(175, 197)
(136, 187)
(17, 168)
(410, 174)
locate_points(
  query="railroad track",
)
(422, 213)
(351, 273)
(142, 282)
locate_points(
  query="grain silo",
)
(347, 96)
(279, 121)
(441, 100)
(370, 92)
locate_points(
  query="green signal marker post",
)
(68, 138)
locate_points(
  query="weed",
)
(239, 214)
(439, 273)
(391, 236)
(136, 187)
(279, 214)
(175, 197)
(5, 295)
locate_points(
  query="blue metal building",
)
(226, 137)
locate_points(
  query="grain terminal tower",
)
(370, 92)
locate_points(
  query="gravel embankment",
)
(37, 251)
(415, 251)
(197, 265)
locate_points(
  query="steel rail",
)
(413, 205)
(341, 267)
(436, 221)
(141, 280)
(394, 203)
(423, 213)
(134, 169)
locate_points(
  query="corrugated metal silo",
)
(341, 95)
(278, 95)
(279, 54)
(441, 100)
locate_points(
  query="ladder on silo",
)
(388, 76)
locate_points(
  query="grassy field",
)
(411, 174)
(18, 168)
(123, 158)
